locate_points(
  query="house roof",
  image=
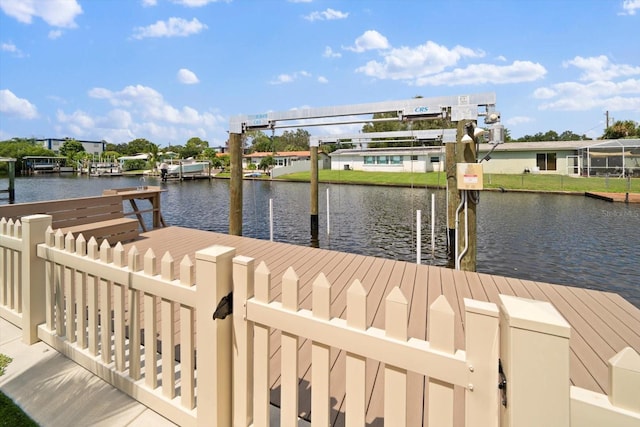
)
(390, 151)
(258, 154)
(562, 145)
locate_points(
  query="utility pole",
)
(235, 184)
(462, 151)
(467, 154)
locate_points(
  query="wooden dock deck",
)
(602, 323)
(615, 197)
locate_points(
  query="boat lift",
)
(453, 108)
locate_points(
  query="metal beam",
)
(461, 107)
(446, 135)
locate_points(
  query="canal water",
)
(570, 240)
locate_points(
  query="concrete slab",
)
(56, 392)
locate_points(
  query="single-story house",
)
(281, 158)
(390, 159)
(585, 158)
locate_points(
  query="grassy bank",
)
(10, 414)
(534, 182)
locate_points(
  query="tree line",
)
(258, 141)
(75, 153)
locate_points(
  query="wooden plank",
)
(606, 310)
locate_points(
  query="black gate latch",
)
(224, 308)
(502, 383)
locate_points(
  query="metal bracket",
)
(224, 308)
(502, 383)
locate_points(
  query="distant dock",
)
(615, 197)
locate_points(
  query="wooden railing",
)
(119, 315)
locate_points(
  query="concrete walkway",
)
(54, 391)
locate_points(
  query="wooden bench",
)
(100, 217)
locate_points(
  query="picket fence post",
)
(534, 350)
(34, 228)
(243, 289)
(214, 279)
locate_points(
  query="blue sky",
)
(169, 70)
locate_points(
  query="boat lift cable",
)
(414, 231)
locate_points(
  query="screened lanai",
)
(616, 157)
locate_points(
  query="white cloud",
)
(187, 77)
(9, 47)
(54, 34)
(57, 13)
(322, 79)
(412, 63)
(599, 87)
(150, 104)
(328, 15)
(195, 3)
(140, 111)
(517, 72)
(77, 121)
(329, 53)
(282, 78)
(12, 48)
(300, 1)
(11, 105)
(149, 3)
(596, 68)
(289, 78)
(369, 40)
(517, 120)
(544, 93)
(629, 7)
(612, 96)
(174, 27)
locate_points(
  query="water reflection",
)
(568, 240)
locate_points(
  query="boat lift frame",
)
(454, 108)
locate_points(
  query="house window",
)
(414, 158)
(369, 160)
(396, 160)
(434, 159)
(546, 161)
(383, 160)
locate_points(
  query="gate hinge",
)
(502, 383)
(224, 308)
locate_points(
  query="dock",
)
(602, 323)
(615, 197)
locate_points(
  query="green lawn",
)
(536, 182)
(10, 414)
